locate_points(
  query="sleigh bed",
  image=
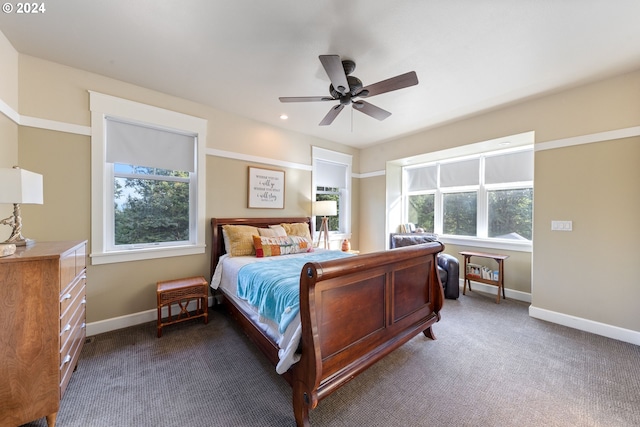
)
(353, 311)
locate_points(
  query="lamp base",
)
(20, 242)
(15, 222)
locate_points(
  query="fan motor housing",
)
(355, 84)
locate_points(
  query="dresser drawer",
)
(73, 295)
(76, 319)
(71, 352)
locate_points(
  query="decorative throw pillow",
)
(297, 229)
(273, 231)
(280, 231)
(238, 239)
(280, 245)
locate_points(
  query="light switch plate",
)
(561, 225)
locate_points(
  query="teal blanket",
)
(273, 286)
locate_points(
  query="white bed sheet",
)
(225, 276)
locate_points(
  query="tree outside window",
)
(151, 205)
(511, 213)
(422, 211)
(460, 215)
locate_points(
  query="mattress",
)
(225, 277)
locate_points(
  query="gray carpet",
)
(492, 365)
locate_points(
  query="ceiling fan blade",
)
(305, 98)
(371, 110)
(333, 66)
(331, 115)
(394, 83)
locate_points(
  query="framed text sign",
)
(266, 188)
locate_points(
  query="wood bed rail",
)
(355, 311)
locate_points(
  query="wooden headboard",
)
(217, 242)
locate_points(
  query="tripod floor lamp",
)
(325, 208)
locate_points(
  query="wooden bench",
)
(181, 292)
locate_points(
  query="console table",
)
(500, 280)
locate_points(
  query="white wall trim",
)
(370, 174)
(120, 322)
(603, 329)
(588, 139)
(35, 122)
(9, 112)
(491, 290)
(256, 159)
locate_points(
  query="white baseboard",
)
(490, 289)
(101, 326)
(609, 331)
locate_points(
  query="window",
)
(332, 181)
(151, 206)
(459, 213)
(487, 196)
(147, 181)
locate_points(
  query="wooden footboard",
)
(354, 311)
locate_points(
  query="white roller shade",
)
(422, 179)
(461, 173)
(511, 167)
(330, 174)
(140, 145)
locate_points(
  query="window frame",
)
(102, 179)
(110, 222)
(482, 238)
(344, 215)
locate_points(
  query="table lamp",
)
(325, 208)
(18, 186)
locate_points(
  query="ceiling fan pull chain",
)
(351, 119)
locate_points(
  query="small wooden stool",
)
(181, 291)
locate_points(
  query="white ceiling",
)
(241, 55)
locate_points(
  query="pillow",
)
(280, 245)
(238, 239)
(273, 231)
(297, 229)
(280, 231)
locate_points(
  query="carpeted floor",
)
(492, 365)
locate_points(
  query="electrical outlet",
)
(561, 225)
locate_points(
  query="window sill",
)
(98, 258)
(502, 244)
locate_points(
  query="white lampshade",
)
(325, 208)
(20, 186)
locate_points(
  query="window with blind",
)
(332, 181)
(153, 170)
(484, 196)
(147, 181)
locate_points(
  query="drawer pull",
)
(84, 325)
(84, 301)
(66, 296)
(66, 328)
(66, 360)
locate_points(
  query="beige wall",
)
(583, 183)
(54, 92)
(593, 185)
(8, 127)
(591, 272)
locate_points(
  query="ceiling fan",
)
(345, 87)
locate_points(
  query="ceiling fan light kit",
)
(345, 87)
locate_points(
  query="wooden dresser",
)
(42, 318)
